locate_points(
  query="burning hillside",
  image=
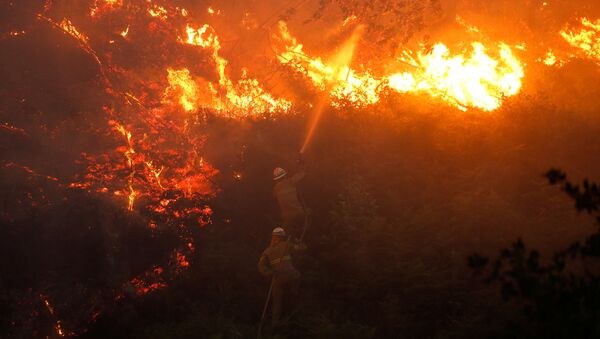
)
(108, 106)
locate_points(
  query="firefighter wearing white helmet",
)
(285, 192)
(276, 261)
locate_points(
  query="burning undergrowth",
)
(106, 113)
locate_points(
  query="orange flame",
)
(586, 38)
(130, 161)
(244, 97)
(158, 12)
(68, 26)
(465, 80)
(182, 83)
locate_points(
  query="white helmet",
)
(279, 173)
(278, 231)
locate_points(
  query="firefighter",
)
(292, 211)
(276, 261)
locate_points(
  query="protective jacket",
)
(277, 259)
(287, 197)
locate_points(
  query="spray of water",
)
(342, 60)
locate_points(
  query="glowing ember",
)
(57, 326)
(59, 330)
(142, 287)
(586, 38)
(16, 33)
(181, 260)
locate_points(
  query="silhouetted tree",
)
(560, 298)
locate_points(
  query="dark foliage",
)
(560, 297)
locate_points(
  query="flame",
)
(158, 12)
(202, 37)
(156, 173)
(342, 81)
(68, 27)
(129, 152)
(474, 79)
(212, 11)
(104, 5)
(125, 32)
(550, 59)
(244, 97)
(182, 83)
(586, 38)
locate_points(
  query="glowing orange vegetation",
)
(68, 26)
(101, 6)
(129, 152)
(155, 172)
(586, 38)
